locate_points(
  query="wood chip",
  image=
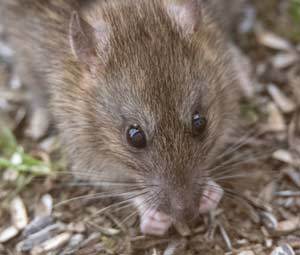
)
(52, 244)
(155, 252)
(293, 175)
(77, 227)
(284, 249)
(284, 60)
(269, 243)
(225, 237)
(293, 241)
(269, 220)
(16, 159)
(249, 16)
(267, 193)
(4, 76)
(183, 229)
(44, 207)
(288, 193)
(288, 226)
(176, 247)
(6, 52)
(73, 245)
(284, 156)
(281, 100)
(18, 213)
(276, 121)
(108, 231)
(38, 238)
(243, 69)
(246, 253)
(8, 234)
(15, 82)
(10, 175)
(92, 239)
(273, 41)
(50, 144)
(38, 124)
(294, 81)
(37, 225)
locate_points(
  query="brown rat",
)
(142, 92)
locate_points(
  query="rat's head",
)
(151, 103)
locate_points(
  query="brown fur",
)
(152, 73)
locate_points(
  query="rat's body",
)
(153, 67)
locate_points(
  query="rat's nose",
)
(184, 212)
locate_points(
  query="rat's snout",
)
(183, 208)
(184, 213)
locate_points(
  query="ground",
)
(38, 215)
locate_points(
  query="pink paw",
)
(155, 223)
(211, 198)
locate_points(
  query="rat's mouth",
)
(179, 209)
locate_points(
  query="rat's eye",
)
(199, 123)
(136, 137)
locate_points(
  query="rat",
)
(142, 92)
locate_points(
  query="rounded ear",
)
(81, 39)
(186, 14)
(88, 43)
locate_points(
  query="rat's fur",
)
(149, 72)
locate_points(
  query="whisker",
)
(118, 203)
(98, 175)
(233, 162)
(240, 143)
(122, 207)
(151, 200)
(231, 177)
(235, 195)
(94, 196)
(209, 198)
(134, 213)
(214, 187)
(239, 164)
(99, 184)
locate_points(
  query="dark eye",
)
(136, 137)
(199, 123)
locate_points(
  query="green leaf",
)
(8, 143)
(26, 164)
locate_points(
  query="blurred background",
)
(265, 220)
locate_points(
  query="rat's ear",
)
(186, 13)
(88, 43)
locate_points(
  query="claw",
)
(152, 221)
(155, 223)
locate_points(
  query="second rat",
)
(143, 93)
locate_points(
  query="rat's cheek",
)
(211, 197)
(155, 223)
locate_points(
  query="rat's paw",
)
(155, 223)
(39, 123)
(211, 198)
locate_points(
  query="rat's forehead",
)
(169, 94)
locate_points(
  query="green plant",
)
(14, 158)
(295, 11)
